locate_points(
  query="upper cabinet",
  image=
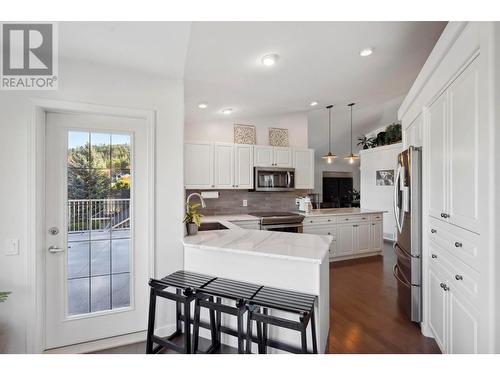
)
(209, 165)
(199, 165)
(269, 156)
(303, 162)
(453, 152)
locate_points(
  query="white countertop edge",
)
(257, 253)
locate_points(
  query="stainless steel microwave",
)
(274, 179)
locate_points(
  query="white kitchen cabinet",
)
(269, 156)
(303, 162)
(376, 233)
(224, 165)
(283, 157)
(243, 166)
(454, 321)
(413, 134)
(199, 165)
(264, 156)
(437, 308)
(345, 239)
(438, 167)
(362, 240)
(463, 133)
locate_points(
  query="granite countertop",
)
(339, 211)
(227, 220)
(292, 246)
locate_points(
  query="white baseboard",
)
(110, 342)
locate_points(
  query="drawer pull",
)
(433, 230)
(329, 219)
(434, 256)
(329, 233)
(355, 225)
(459, 277)
(363, 218)
(458, 244)
(311, 221)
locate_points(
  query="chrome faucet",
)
(203, 205)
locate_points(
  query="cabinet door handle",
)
(444, 287)
(329, 219)
(434, 256)
(433, 230)
(458, 244)
(329, 233)
(444, 215)
(459, 277)
(373, 223)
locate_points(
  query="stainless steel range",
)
(280, 221)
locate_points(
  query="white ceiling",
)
(318, 61)
(156, 48)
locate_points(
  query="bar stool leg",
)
(249, 331)
(303, 335)
(265, 331)
(178, 312)
(259, 335)
(213, 326)
(218, 322)
(187, 326)
(313, 332)
(151, 322)
(196, 325)
(240, 331)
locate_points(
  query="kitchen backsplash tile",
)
(231, 201)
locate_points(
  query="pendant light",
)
(329, 157)
(351, 157)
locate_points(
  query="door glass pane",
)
(99, 241)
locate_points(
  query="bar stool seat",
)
(220, 288)
(185, 283)
(298, 303)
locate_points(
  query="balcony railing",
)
(98, 214)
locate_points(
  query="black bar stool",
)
(282, 300)
(219, 288)
(184, 283)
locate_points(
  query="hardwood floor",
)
(364, 315)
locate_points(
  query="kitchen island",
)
(292, 261)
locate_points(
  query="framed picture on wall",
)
(384, 177)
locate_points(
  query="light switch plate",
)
(245, 203)
(12, 246)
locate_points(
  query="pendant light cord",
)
(329, 130)
(351, 130)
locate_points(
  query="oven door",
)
(290, 228)
(274, 179)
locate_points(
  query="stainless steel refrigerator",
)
(408, 245)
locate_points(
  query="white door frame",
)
(35, 332)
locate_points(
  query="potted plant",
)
(3, 296)
(192, 218)
(393, 133)
(366, 142)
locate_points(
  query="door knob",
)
(55, 249)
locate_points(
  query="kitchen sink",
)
(211, 226)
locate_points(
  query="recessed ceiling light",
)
(227, 111)
(202, 105)
(313, 103)
(366, 52)
(270, 60)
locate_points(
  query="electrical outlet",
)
(245, 203)
(11, 246)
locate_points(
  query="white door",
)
(243, 166)
(345, 239)
(263, 156)
(437, 308)
(224, 166)
(303, 161)
(376, 236)
(362, 238)
(283, 157)
(199, 165)
(438, 158)
(463, 325)
(464, 149)
(97, 267)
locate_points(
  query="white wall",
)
(222, 130)
(379, 197)
(100, 85)
(366, 119)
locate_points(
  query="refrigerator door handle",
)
(397, 209)
(401, 279)
(401, 252)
